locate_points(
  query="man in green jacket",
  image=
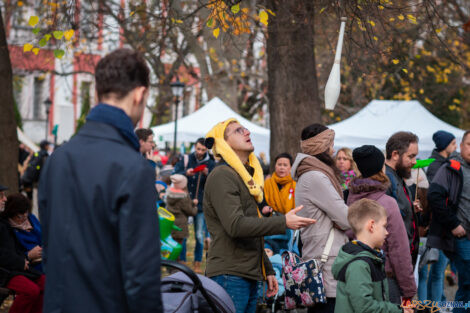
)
(232, 196)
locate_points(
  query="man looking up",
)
(97, 204)
(236, 258)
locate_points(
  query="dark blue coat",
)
(192, 180)
(31, 239)
(101, 248)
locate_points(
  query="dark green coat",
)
(235, 228)
(362, 287)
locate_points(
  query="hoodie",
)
(362, 285)
(397, 259)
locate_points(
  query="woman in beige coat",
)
(318, 189)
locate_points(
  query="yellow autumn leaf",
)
(69, 34)
(132, 13)
(395, 61)
(322, 9)
(33, 21)
(235, 8)
(27, 47)
(452, 107)
(438, 30)
(372, 23)
(375, 38)
(179, 21)
(381, 7)
(401, 17)
(216, 32)
(421, 91)
(271, 12)
(405, 70)
(35, 51)
(20, 3)
(263, 17)
(427, 100)
(456, 101)
(391, 19)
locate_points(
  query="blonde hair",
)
(348, 153)
(362, 210)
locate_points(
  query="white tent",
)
(198, 124)
(376, 122)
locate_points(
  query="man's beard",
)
(402, 171)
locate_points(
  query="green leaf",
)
(423, 163)
(58, 34)
(59, 53)
(42, 42)
(36, 30)
(235, 8)
(47, 36)
(210, 22)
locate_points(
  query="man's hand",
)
(273, 287)
(148, 155)
(26, 265)
(35, 253)
(205, 171)
(295, 222)
(459, 231)
(417, 206)
(195, 201)
(190, 172)
(267, 210)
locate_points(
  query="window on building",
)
(18, 83)
(37, 98)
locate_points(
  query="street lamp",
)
(47, 104)
(177, 89)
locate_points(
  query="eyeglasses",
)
(240, 130)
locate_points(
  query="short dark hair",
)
(364, 209)
(283, 155)
(16, 204)
(465, 135)
(143, 133)
(400, 142)
(200, 141)
(120, 72)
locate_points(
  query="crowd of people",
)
(367, 216)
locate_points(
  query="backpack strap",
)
(329, 244)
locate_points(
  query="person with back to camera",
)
(319, 191)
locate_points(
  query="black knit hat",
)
(369, 159)
(442, 139)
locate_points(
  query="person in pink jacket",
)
(372, 184)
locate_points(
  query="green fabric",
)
(423, 163)
(236, 230)
(359, 293)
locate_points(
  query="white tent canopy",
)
(376, 122)
(198, 124)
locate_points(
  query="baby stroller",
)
(278, 244)
(185, 291)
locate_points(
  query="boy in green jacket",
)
(360, 265)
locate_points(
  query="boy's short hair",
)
(143, 133)
(362, 210)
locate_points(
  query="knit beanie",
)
(442, 139)
(369, 159)
(178, 181)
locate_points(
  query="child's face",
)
(379, 232)
(269, 252)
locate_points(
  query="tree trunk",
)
(292, 77)
(8, 136)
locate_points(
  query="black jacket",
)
(97, 202)
(12, 255)
(435, 166)
(192, 180)
(443, 199)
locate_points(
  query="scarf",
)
(347, 177)
(116, 117)
(311, 163)
(319, 143)
(221, 148)
(26, 225)
(281, 200)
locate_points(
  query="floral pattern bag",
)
(303, 280)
